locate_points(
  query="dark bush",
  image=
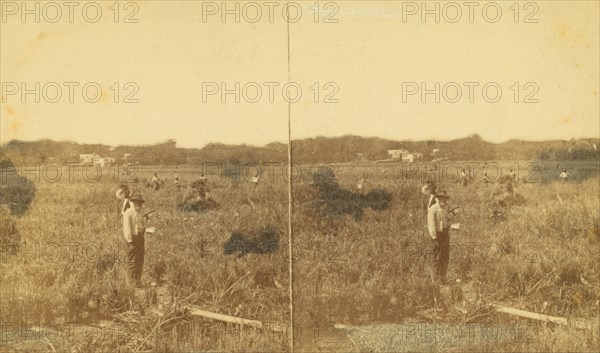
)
(264, 240)
(15, 191)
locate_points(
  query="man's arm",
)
(432, 223)
(127, 231)
(144, 222)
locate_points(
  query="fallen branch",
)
(581, 324)
(272, 327)
(193, 310)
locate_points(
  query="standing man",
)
(123, 194)
(429, 190)
(134, 227)
(438, 223)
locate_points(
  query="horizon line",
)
(4, 144)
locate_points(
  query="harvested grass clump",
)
(198, 205)
(504, 193)
(196, 198)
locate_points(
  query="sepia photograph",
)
(299, 176)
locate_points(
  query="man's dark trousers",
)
(441, 255)
(135, 258)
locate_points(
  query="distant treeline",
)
(309, 151)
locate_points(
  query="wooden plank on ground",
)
(581, 324)
(193, 310)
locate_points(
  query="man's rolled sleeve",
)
(432, 223)
(127, 231)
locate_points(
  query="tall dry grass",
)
(70, 266)
(541, 258)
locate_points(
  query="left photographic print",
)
(144, 177)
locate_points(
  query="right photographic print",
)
(445, 176)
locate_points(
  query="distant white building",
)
(404, 155)
(95, 159)
(411, 157)
(88, 158)
(396, 154)
(104, 161)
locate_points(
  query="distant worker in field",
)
(177, 184)
(134, 227)
(564, 175)
(203, 178)
(155, 182)
(255, 179)
(513, 174)
(438, 223)
(486, 179)
(464, 178)
(360, 184)
(123, 193)
(429, 190)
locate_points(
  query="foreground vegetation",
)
(540, 256)
(68, 270)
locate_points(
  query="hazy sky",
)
(368, 61)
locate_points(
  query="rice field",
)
(64, 287)
(540, 256)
